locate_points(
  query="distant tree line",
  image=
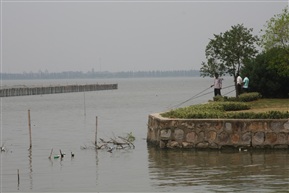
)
(104, 74)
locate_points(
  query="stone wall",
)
(217, 133)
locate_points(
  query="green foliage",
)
(209, 110)
(225, 110)
(265, 115)
(234, 106)
(245, 97)
(278, 61)
(228, 51)
(276, 39)
(276, 33)
(265, 79)
(129, 137)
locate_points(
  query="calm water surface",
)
(67, 122)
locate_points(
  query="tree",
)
(228, 51)
(264, 79)
(276, 35)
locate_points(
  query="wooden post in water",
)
(84, 104)
(95, 132)
(29, 125)
(18, 176)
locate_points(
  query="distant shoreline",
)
(104, 74)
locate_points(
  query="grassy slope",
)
(268, 106)
(265, 105)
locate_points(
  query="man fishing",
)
(217, 84)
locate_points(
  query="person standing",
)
(239, 84)
(217, 85)
(246, 84)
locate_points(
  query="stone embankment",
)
(217, 133)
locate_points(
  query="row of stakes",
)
(2, 148)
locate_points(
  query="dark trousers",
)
(245, 90)
(239, 87)
(217, 91)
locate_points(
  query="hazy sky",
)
(58, 35)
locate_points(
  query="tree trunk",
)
(236, 86)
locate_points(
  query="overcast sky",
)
(119, 35)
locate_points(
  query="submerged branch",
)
(113, 143)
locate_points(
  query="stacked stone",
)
(218, 133)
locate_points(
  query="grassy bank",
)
(264, 105)
(232, 108)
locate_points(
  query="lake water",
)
(67, 122)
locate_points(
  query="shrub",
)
(235, 106)
(220, 98)
(245, 97)
(209, 110)
(251, 115)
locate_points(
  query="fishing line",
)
(197, 96)
(230, 92)
(177, 105)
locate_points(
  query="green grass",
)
(258, 109)
(264, 105)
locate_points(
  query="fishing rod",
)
(222, 89)
(197, 96)
(230, 92)
(177, 105)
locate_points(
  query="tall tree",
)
(228, 51)
(276, 35)
(266, 80)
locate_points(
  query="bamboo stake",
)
(84, 104)
(95, 132)
(50, 153)
(29, 125)
(61, 154)
(18, 176)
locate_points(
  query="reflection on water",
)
(30, 168)
(58, 122)
(96, 166)
(211, 171)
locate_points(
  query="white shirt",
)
(239, 80)
(218, 83)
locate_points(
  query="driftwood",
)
(119, 143)
(129, 143)
(113, 143)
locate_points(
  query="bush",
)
(209, 110)
(265, 115)
(234, 106)
(245, 97)
(220, 98)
